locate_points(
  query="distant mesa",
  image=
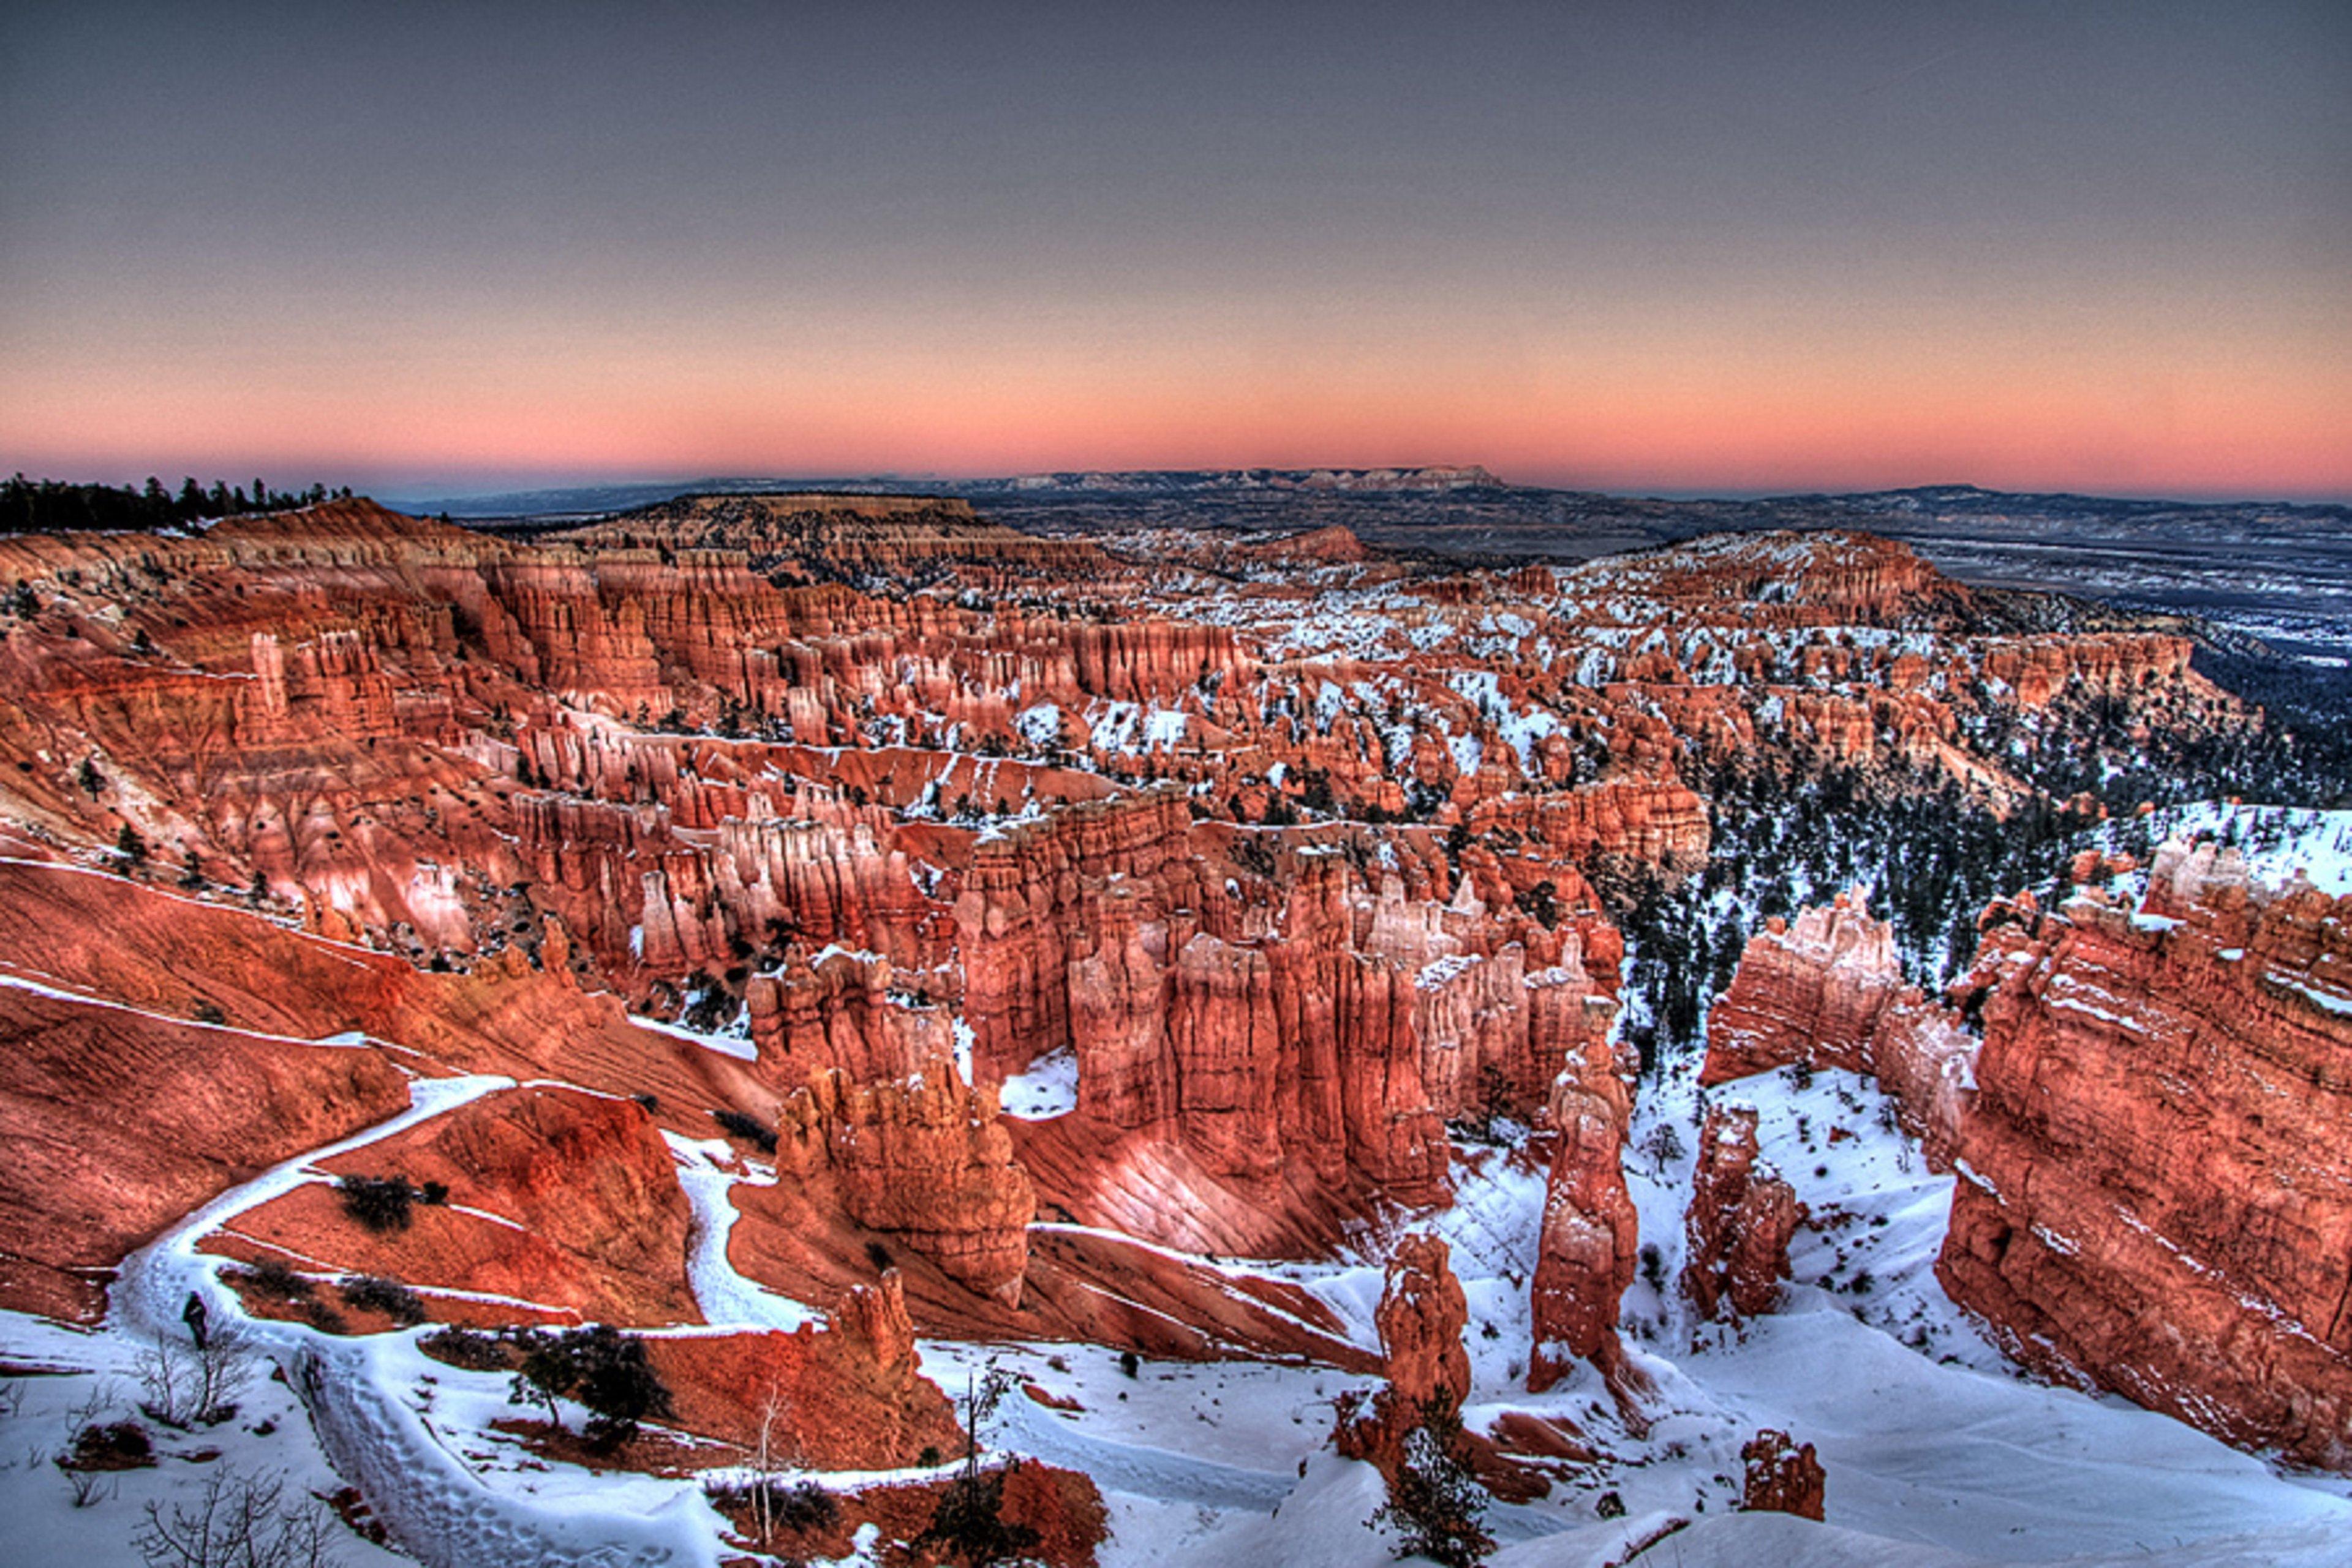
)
(817, 530)
(1446, 476)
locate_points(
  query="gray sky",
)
(1682, 245)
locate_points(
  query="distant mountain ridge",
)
(1430, 480)
(584, 500)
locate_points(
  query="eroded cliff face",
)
(1826, 991)
(928, 1161)
(2155, 1194)
(659, 732)
(117, 1122)
(1280, 885)
(849, 1396)
(1256, 1028)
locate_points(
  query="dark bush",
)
(748, 1128)
(1540, 903)
(321, 1315)
(805, 1507)
(798, 1508)
(379, 1203)
(1435, 1502)
(878, 1255)
(116, 1446)
(273, 1276)
(970, 1526)
(601, 1368)
(372, 1293)
(466, 1348)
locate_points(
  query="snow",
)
(94, 1378)
(735, 1042)
(345, 1040)
(1040, 725)
(1938, 1453)
(1048, 1088)
(964, 1041)
(722, 1295)
(2278, 842)
(368, 1403)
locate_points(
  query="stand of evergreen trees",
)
(1786, 837)
(60, 506)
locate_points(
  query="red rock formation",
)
(1656, 823)
(1781, 1476)
(117, 1122)
(2155, 1193)
(2113, 664)
(1285, 1062)
(876, 533)
(1827, 991)
(927, 1161)
(561, 1206)
(839, 1013)
(1740, 1219)
(1421, 1316)
(630, 766)
(1591, 1232)
(848, 1397)
(1335, 544)
(1852, 576)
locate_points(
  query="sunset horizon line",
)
(403, 490)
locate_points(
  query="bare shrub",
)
(238, 1521)
(186, 1383)
(90, 1487)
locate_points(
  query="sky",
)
(1679, 246)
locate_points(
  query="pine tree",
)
(1434, 1501)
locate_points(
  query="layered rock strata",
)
(928, 1161)
(2155, 1193)
(1826, 991)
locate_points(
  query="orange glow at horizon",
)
(1683, 416)
(1616, 246)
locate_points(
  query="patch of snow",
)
(1048, 1088)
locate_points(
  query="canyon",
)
(849, 943)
